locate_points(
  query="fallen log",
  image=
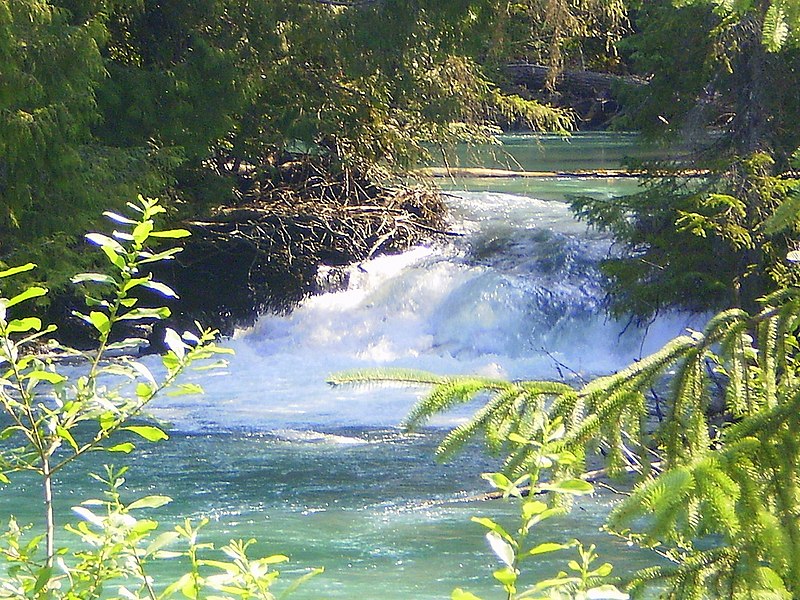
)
(504, 173)
(590, 95)
(582, 83)
(480, 172)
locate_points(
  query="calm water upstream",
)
(323, 474)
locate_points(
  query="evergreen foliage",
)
(716, 110)
(718, 491)
(100, 101)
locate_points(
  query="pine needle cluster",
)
(718, 491)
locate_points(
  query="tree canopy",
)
(719, 104)
(102, 100)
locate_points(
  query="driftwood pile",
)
(265, 253)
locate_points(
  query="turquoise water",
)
(324, 474)
(595, 150)
(368, 505)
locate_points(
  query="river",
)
(323, 474)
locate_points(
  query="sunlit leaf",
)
(31, 292)
(149, 502)
(506, 576)
(570, 486)
(125, 447)
(547, 547)
(23, 325)
(171, 233)
(105, 241)
(146, 313)
(459, 594)
(15, 270)
(66, 435)
(48, 376)
(501, 548)
(100, 321)
(495, 527)
(142, 231)
(94, 278)
(148, 432)
(160, 288)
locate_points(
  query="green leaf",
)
(142, 231)
(94, 278)
(577, 487)
(459, 594)
(114, 258)
(147, 257)
(132, 283)
(15, 270)
(48, 376)
(533, 507)
(184, 581)
(162, 540)
(31, 292)
(125, 447)
(547, 547)
(301, 580)
(127, 343)
(171, 234)
(186, 389)
(107, 420)
(518, 439)
(143, 390)
(603, 570)
(66, 435)
(148, 432)
(274, 559)
(498, 480)
(495, 527)
(23, 325)
(506, 576)
(550, 512)
(100, 322)
(149, 502)
(42, 579)
(105, 242)
(146, 313)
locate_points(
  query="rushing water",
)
(323, 474)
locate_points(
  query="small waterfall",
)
(518, 295)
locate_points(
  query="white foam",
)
(516, 297)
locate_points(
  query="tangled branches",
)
(264, 253)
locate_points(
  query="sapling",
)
(56, 413)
